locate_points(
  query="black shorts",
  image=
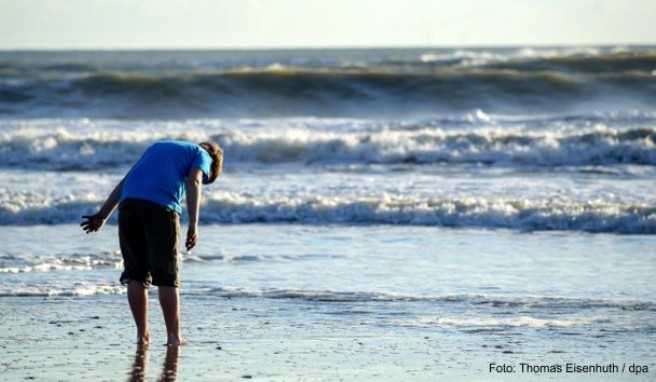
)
(148, 234)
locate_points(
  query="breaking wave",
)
(531, 302)
(546, 303)
(428, 83)
(71, 262)
(517, 214)
(77, 290)
(417, 144)
(77, 262)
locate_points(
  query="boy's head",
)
(216, 153)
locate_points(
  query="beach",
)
(384, 214)
(467, 299)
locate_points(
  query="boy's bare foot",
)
(175, 341)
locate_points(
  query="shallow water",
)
(382, 301)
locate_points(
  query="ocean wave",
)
(490, 323)
(503, 302)
(588, 61)
(584, 59)
(545, 303)
(386, 87)
(76, 262)
(473, 301)
(517, 214)
(459, 213)
(434, 145)
(68, 263)
(76, 290)
(416, 144)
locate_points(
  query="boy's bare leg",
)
(169, 299)
(138, 299)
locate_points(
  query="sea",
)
(500, 201)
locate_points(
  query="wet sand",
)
(92, 339)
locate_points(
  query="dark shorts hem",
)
(125, 280)
(147, 282)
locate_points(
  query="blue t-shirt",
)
(159, 175)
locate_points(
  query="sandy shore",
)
(91, 339)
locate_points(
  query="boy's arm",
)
(95, 222)
(194, 186)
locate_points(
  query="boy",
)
(149, 222)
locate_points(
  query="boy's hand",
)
(92, 223)
(191, 238)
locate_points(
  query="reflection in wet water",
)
(138, 372)
(140, 365)
(170, 370)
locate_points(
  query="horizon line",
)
(330, 47)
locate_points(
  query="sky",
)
(188, 24)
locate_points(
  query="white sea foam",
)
(69, 263)
(482, 57)
(491, 322)
(491, 303)
(521, 214)
(548, 303)
(114, 260)
(312, 295)
(77, 290)
(596, 145)
(464, 57)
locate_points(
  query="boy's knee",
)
(137, 284)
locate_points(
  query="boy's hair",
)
(216, 153)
